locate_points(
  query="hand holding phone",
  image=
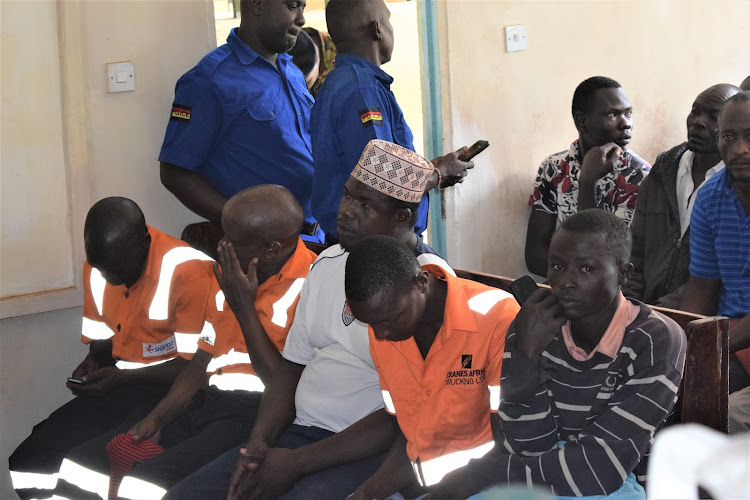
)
(75, 381)
(474, 150)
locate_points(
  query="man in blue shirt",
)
(241, 117)
(720, 235)
(355, 105)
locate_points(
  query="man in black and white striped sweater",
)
(588, 376)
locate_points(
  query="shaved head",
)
(361, 27)
(117, 240)
(263, 222)
(268, 212)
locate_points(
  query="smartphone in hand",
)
(522, 288)
(474, 150)
(75, 381)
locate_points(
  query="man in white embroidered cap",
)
(322, 429)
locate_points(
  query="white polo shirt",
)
(339, 385)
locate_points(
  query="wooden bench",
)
(704, 392)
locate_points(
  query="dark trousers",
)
(212, 481)
(216, 421)
(72, 424)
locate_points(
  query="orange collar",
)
(612, 339)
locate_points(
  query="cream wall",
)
(111, 144)
(663, 52)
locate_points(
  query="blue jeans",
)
(212, 480)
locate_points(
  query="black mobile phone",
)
(522, 288)
(474, 150)
(74, 380)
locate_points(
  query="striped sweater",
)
(606, 410)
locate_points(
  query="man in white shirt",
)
(326, 386)
(661, 225)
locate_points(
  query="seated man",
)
(588, 376)
(321, 429)
(720, 241)
(437, 342)
(661, 225)
(144, 296)
(596, 172)
(196, 424)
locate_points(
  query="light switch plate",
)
(515, 38)
(120, 76)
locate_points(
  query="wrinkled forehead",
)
(711, 99)
(735, 116)
(359, 188)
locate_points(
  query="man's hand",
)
(101, 382)
(537, 323)
(276, 474)
(239, 288)
(88, 366)
(251, 458)
(600, 161)
(452, 169)
(147, 429)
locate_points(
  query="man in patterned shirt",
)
(596, 172)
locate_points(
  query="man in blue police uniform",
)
(241, 117)
(355, 105)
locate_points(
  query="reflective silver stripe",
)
(486, 300)
(389, 407)
(186, 342)
(132, 365)
(236, 382)
(208, 334)
(160, 303)
(431, 258)
(281, 306)
(97, 283)
(84, 478)
(434, 470)
(220, 300)
(231, 358)
(23, 480)
(96, 330)
(494, 396)
(138, 489)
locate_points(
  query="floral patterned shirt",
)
(556, 185)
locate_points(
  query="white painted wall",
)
(663, 53)
(112, 143)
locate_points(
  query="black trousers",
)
(35, 462)
(216, 422)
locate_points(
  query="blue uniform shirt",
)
(354, 105)
(720, 243)
(240, 121)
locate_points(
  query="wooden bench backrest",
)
(704, 393)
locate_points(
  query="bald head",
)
(268, 212)
(263, 222)
(361, 27)
(701, 121)
(117, 240)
